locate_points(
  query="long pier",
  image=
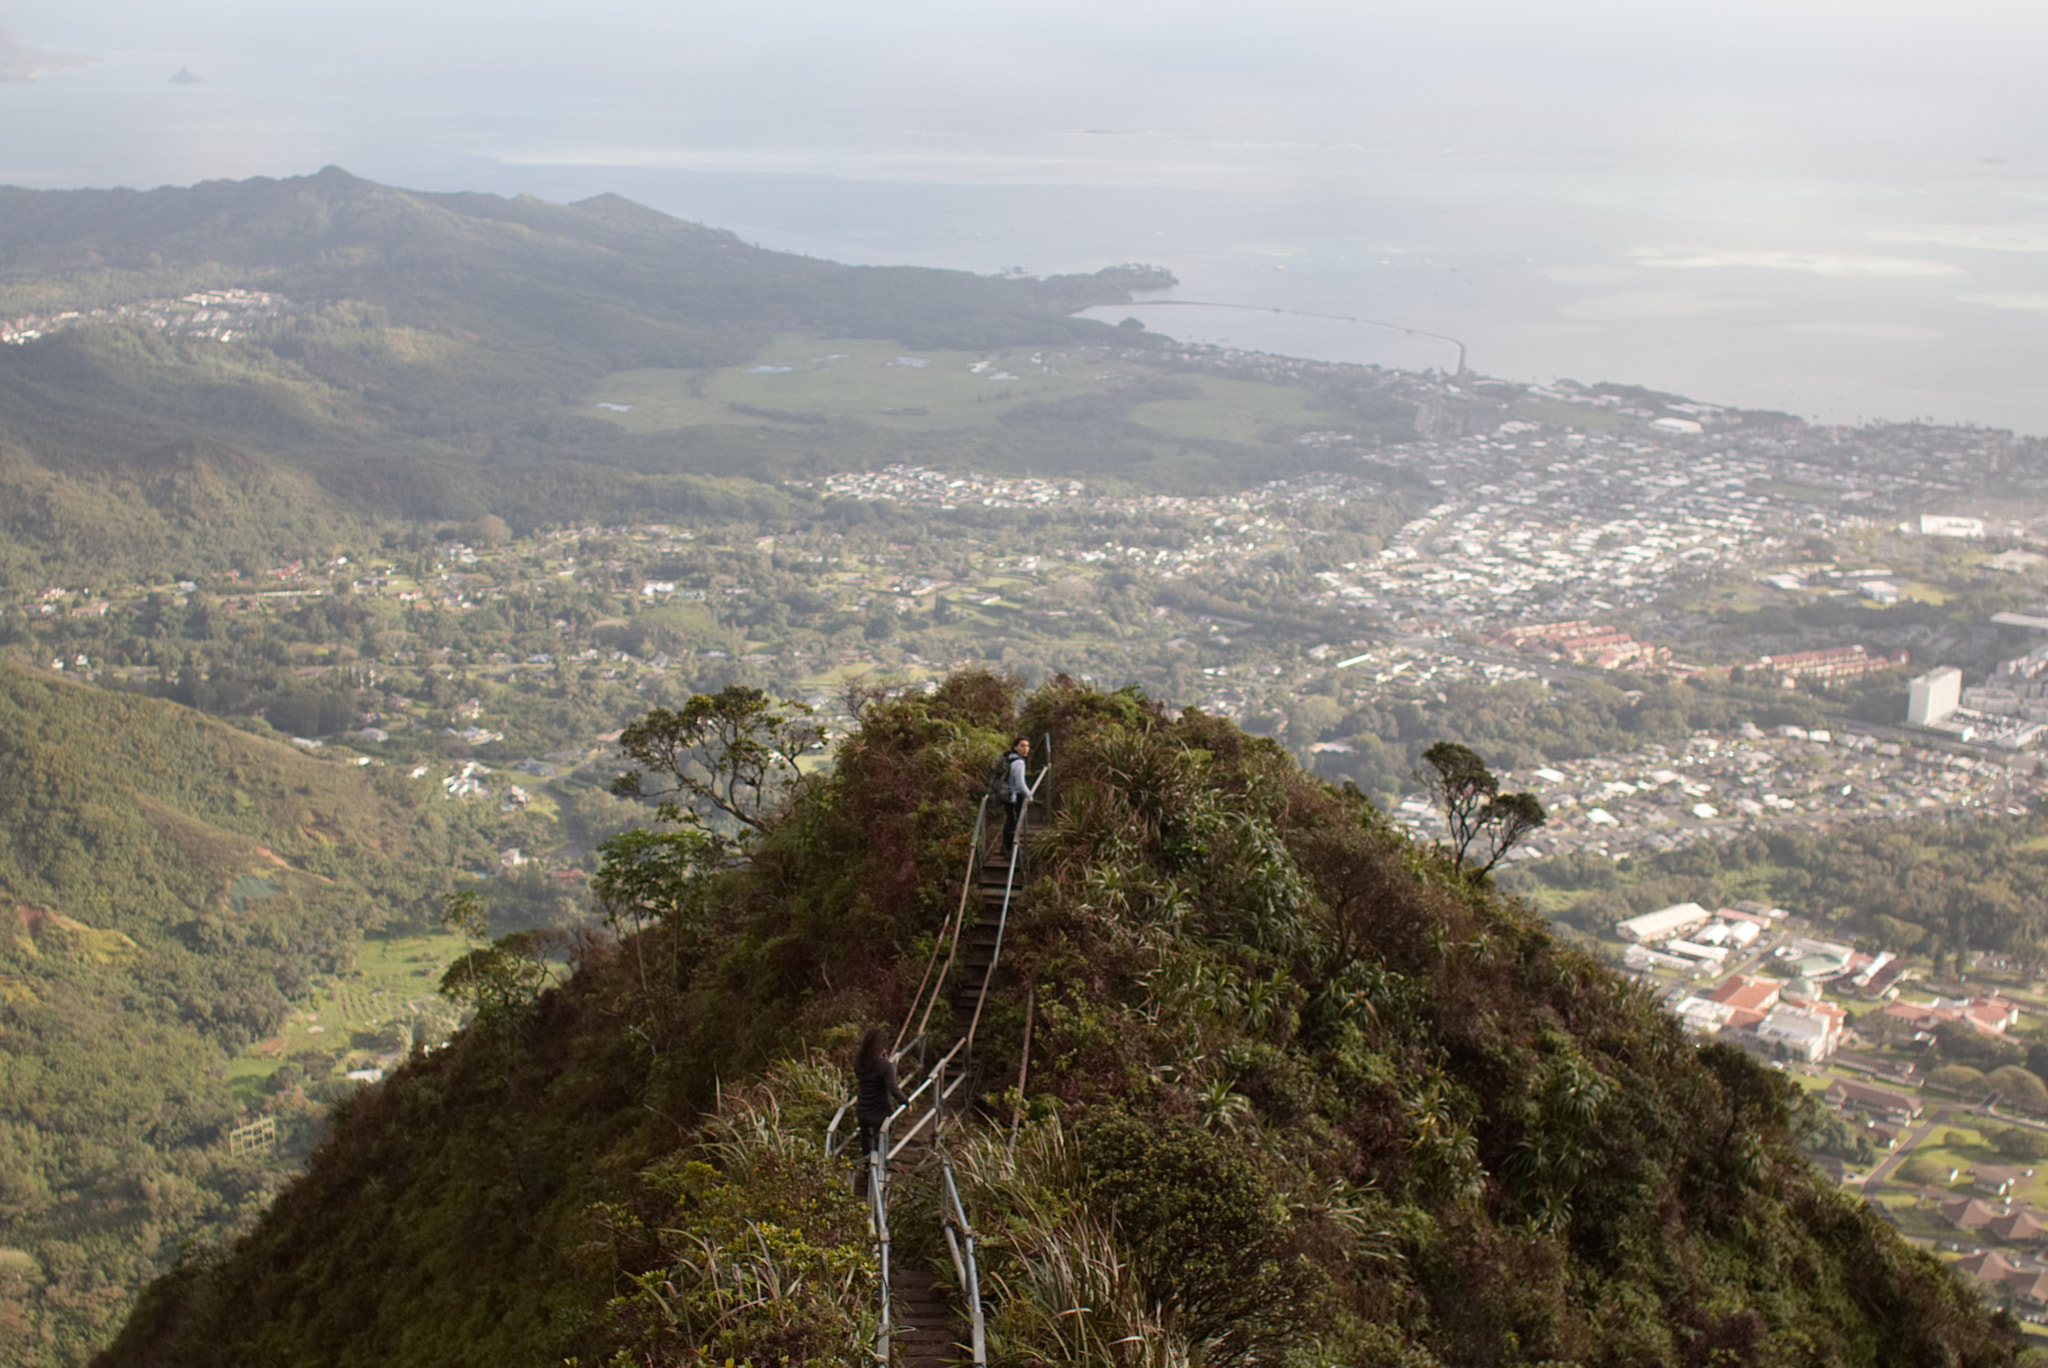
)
(1303, 313)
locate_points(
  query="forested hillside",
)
(1297, 1093)
(167, 884)
(1947, 890)
(367, 351)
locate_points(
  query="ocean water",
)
(1838, 211)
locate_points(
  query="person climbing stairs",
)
(924, 1325)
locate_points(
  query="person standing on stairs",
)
(1015, 791)
(877, 1093)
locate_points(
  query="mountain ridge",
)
(349, 332)
(1319, 1096)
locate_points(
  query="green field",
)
(1236, 411)
(389, 974)
(1585, 417)
(851, 378)
(1971, 1151)
(796, 382)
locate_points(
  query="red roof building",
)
(1746, 993)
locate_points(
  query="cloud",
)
(1973, 237)
(1817, 263)
(1887, 332)
(1637, 306)
(1588, 275)
(2032, 303)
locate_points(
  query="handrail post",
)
(960, 1244)
(878, 1217)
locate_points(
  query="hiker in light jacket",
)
(1015, 792)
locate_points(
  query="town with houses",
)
(1850, 1027)
(215, 315)
(1666, 796)
(1591, 536)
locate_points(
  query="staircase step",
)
(926, 1332)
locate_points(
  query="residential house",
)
(2031, 1288)
(1999, 1180)
(1969, 1213)
(1879, 1103)
(1988, 1264)
(2021, 1226)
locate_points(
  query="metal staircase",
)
(920, 1327)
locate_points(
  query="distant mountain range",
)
(425, 355)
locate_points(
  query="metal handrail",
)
(878, 1222)
(958, 1231)
(956, 922)
(960, 1244)
(936, 1116)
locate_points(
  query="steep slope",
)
(1297, 1095)
(167, 883)
(188, 507)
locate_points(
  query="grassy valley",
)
(177, 894)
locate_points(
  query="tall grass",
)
(765, 1255)
(1064, 1293)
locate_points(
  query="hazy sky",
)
(1840, 208)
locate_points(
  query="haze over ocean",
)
(1836, 209)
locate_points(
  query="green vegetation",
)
(492, 480)
(1947, 891)
(1299, 1093)
(176, 893)
(1519, 724)
(468, 342)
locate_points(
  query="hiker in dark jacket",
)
(877, 1095)
(1015, 791)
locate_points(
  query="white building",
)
(1934, 696)
(1674, 920)
(1807, 1030)
(1944, 525)
(1706, 954)
(1643, 957)
(1703, 1016)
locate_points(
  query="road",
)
(1904, 1150)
